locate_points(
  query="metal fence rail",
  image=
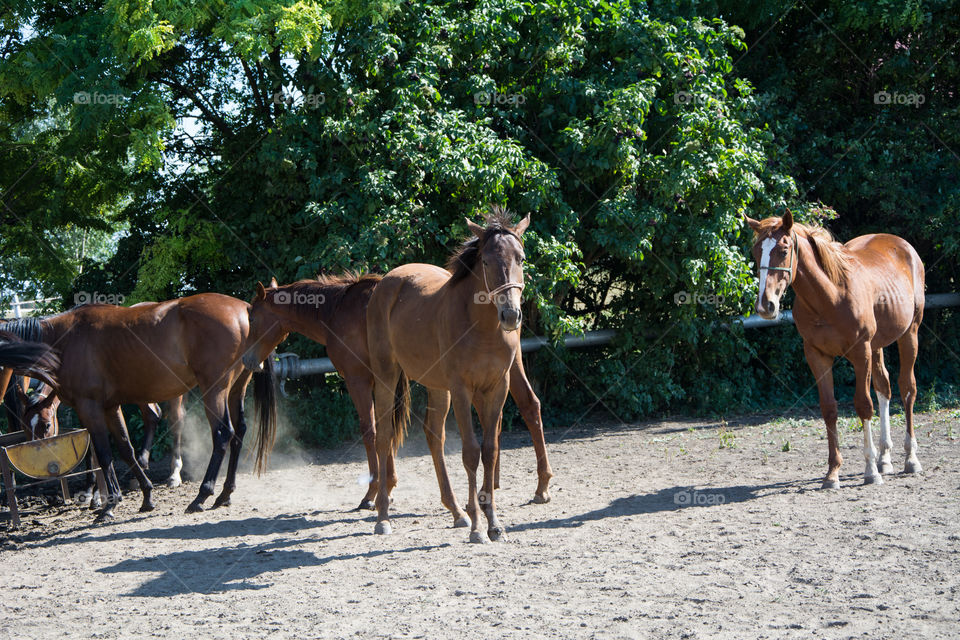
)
(292, 367)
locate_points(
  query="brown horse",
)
(457, 333)
(332, 310)
(111, 355)
(852, 300)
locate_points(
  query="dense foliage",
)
(224, 142)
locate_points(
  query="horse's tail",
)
(401, 411)
(32, 359)
(265, 401)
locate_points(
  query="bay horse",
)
(852, 300)
(111, 355)
(456, 332)
(332, 310)
(35, 414)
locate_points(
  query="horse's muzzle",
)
(510, 319)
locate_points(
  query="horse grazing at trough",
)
(456, 332)
(852, 300)
(332, 310)
(154, 352)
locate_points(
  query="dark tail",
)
(265, 401)
(401, 411)
(32, 359)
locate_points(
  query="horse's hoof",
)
(222, 502)
(194, 507)
(912, 466)
(147, 506)
(383, 528)
(541, 498)
(877, 479)
(367, 505)
(96, 503)
(478, 537)
(830, 484)
(886, 468)
(173, 483)
(496, 534)
(461, 522)
(105, 516)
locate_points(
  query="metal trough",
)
(47, 459)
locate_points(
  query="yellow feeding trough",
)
(44, 460)
(49, 457)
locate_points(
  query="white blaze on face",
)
(766, 247)
(34, 421)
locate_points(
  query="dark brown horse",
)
(332, 310)
(156, 352)
(852, 300)
(456, 332)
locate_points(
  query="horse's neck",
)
(295, 319)
(811, 285)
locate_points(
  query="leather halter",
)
(794, 256)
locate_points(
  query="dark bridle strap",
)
(508, 285)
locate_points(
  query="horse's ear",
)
(522, 226)
(754, 224)
(787, 221)
(273, 283)
(261, 292)
(475, 229)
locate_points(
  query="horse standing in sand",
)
(332, 310)
(456, 332)
(155, 352)
(852, 300)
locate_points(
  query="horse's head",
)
(775, 252)
(500, 259)
(40, 411)
(266, 331)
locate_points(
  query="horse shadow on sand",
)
(671, 499)
(239, 567)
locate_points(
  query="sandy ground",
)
(759, 551)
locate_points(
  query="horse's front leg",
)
(215, 406)
(821, 365)
(490, 410)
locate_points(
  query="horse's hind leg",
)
(92, 418)
(175, 415)
(221, 431)
(118, 429)
(908, 394)
(821, 365)
(384, 395)
(881, 384)
(151, 418)
(438, 405)
(861, 359)
(360, 389)
(236, 443)
(529, 406)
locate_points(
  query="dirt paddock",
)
(666, 529)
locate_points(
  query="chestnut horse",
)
(154, 352)
(332, 310)
(852, 300)
(456, 332)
